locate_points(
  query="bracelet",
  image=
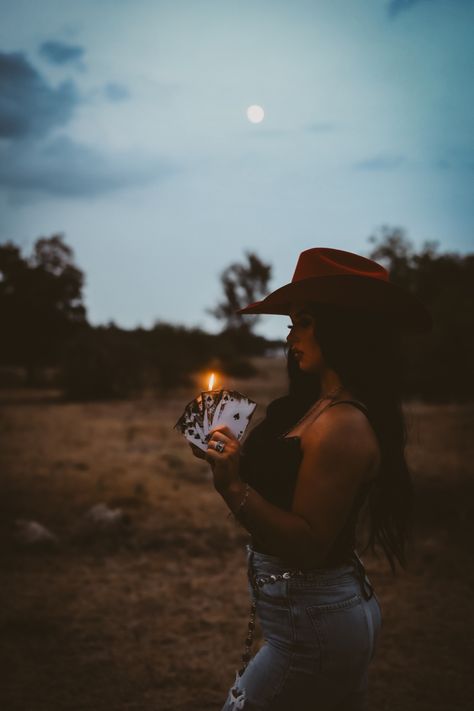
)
(242, 503)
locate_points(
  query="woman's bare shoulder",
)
(349, 425)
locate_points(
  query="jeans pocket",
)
(343, 634)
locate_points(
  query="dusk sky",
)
(123, 125)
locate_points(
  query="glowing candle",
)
(209, 400)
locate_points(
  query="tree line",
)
(44, 324)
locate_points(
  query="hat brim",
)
(402, 309)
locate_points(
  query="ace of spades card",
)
(234, 410)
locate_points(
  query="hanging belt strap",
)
(365, 584)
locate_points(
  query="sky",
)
(123, 126)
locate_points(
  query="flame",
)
(211, 381)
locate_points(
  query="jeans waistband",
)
(265, 563)
(262, 563)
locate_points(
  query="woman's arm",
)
(283, 532)
(335, 461)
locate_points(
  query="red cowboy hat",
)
(334, 276)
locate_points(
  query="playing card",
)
(226, 396)
(234, 410)
(200, 404)
(190, 423)
(210, 401)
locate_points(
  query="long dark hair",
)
(365, 351)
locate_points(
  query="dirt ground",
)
(151, 614)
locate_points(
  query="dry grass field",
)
(151, 614)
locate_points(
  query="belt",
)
(258, 580)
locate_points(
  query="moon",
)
(255, 113)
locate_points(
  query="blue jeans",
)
(320, 630)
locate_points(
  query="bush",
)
(101, 363)
(240, 368)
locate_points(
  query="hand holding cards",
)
(211, 409)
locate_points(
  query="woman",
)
(303, 475)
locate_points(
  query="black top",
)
(270, 464)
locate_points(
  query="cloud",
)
(395, 7)
(67, 168)
(462, 163)
(116, 92)
(35, 161)
(28, 105)
(61, 53)
(380, 162)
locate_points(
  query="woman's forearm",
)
(285, 533)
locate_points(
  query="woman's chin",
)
(308, 369)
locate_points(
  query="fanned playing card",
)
(211, 409)
(190, 423)
(234, 410)
(210, 401)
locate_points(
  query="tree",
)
(438, 364)
(242, 284)
(395, 251)
(40, 302)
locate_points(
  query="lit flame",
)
(211, 382)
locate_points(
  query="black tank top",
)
(270, 464)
